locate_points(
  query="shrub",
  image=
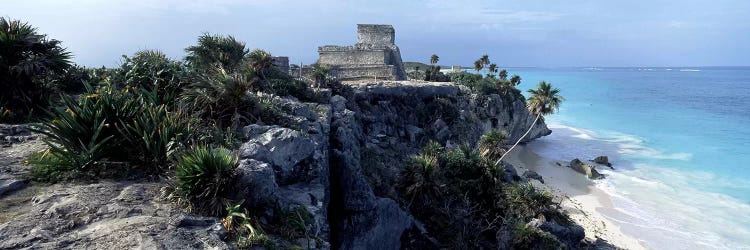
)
(461, 198)
(214, 51)
(154, 136)
(525, 201)
(202, 176)
(83, 133)
(27, 61)
(152, 71)
(525, 237)
(107, 129)
(492, 144)
(223, 98)
(240, 227)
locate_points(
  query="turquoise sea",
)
(679, 139)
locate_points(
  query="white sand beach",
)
(587, 205)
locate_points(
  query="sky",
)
(535, 33)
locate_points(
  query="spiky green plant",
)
(154, 72)
(155, 135)
(202, 177)
(492, 144)
(240, 226)
(224, 98)
(525, 201)
(214, 51)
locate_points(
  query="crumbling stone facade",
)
(282, 63)
(374, 56)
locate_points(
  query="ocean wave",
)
(690, 70)
(668, 207)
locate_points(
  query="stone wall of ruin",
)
(376, 34)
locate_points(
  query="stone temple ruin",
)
(374, 56)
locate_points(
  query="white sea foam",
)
(690, 70)
(664, 206)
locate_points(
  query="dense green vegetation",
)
(464, 199)
(151, 117)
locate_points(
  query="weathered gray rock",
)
(283, 148)
(390, 223)
(571, 235)
(603, 160)
(586, 169)
(255, 183)
(108, 215)
(533, 175)
(10, 133)
(511, 175)
(9, 184)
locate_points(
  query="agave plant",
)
(492, 144)
(223, 97)
(202, 177)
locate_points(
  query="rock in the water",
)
(585, 169)
(603, 160)
(533, 175)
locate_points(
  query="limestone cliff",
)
(337, 158)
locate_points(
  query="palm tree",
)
(492, 69)
(433, 69)
(491, 145)
(485, 59)
(478, 66)
(515, 80)
(27, 59)
(260, 63)
(214, 50)
(544, 100)
(503, 74)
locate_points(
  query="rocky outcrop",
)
(359, 219)
(531, 175)
(570, 234)
(603, 160)
(107, 215)
(288, 166)
(398, 117)
(586, 169)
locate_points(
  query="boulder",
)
(570, 234)
(510, 174)
(603, 160)
(283, 148)
(107, 215)
(586, 169)
(255, 183)
(9, 184)
(533, 175)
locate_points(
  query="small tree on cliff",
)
(544, 100)
(503, 74)
(492, 69)
(321, 74)
(434, 59)
(478, 65)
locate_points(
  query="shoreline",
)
(588, 205)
